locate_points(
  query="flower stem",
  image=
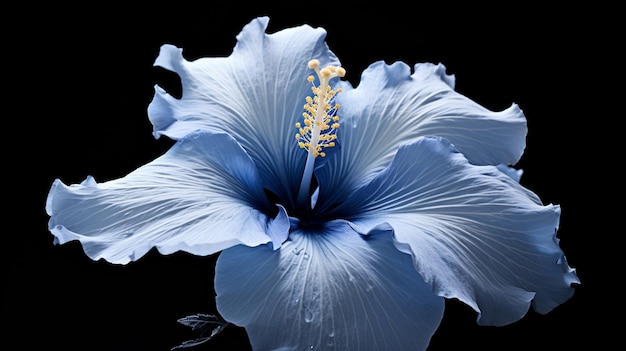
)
(305, 184)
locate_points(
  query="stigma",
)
(320, 120)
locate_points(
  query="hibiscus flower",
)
(343, 216)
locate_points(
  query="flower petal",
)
(327, 289)
(391, 107)
(512, 172)
(256, 95)
(202, 196)
(474, 232)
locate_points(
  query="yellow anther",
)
(319, 117)
(313, 64)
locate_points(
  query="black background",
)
(80, 79)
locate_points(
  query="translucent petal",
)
(327, 288)
(256, 95)
(391, 107)
(474, 233)
(202, 196)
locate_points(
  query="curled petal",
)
(512, 172)
(327, 289)
(391, 107)
(202, 196)
(473, 231)
(256, 95)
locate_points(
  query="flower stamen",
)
(320, 112)
(320, 121)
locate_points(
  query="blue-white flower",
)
(343, 219)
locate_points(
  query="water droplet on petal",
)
(297, 250)
(308, 315)
(306, 256)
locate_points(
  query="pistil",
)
(318, 130)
